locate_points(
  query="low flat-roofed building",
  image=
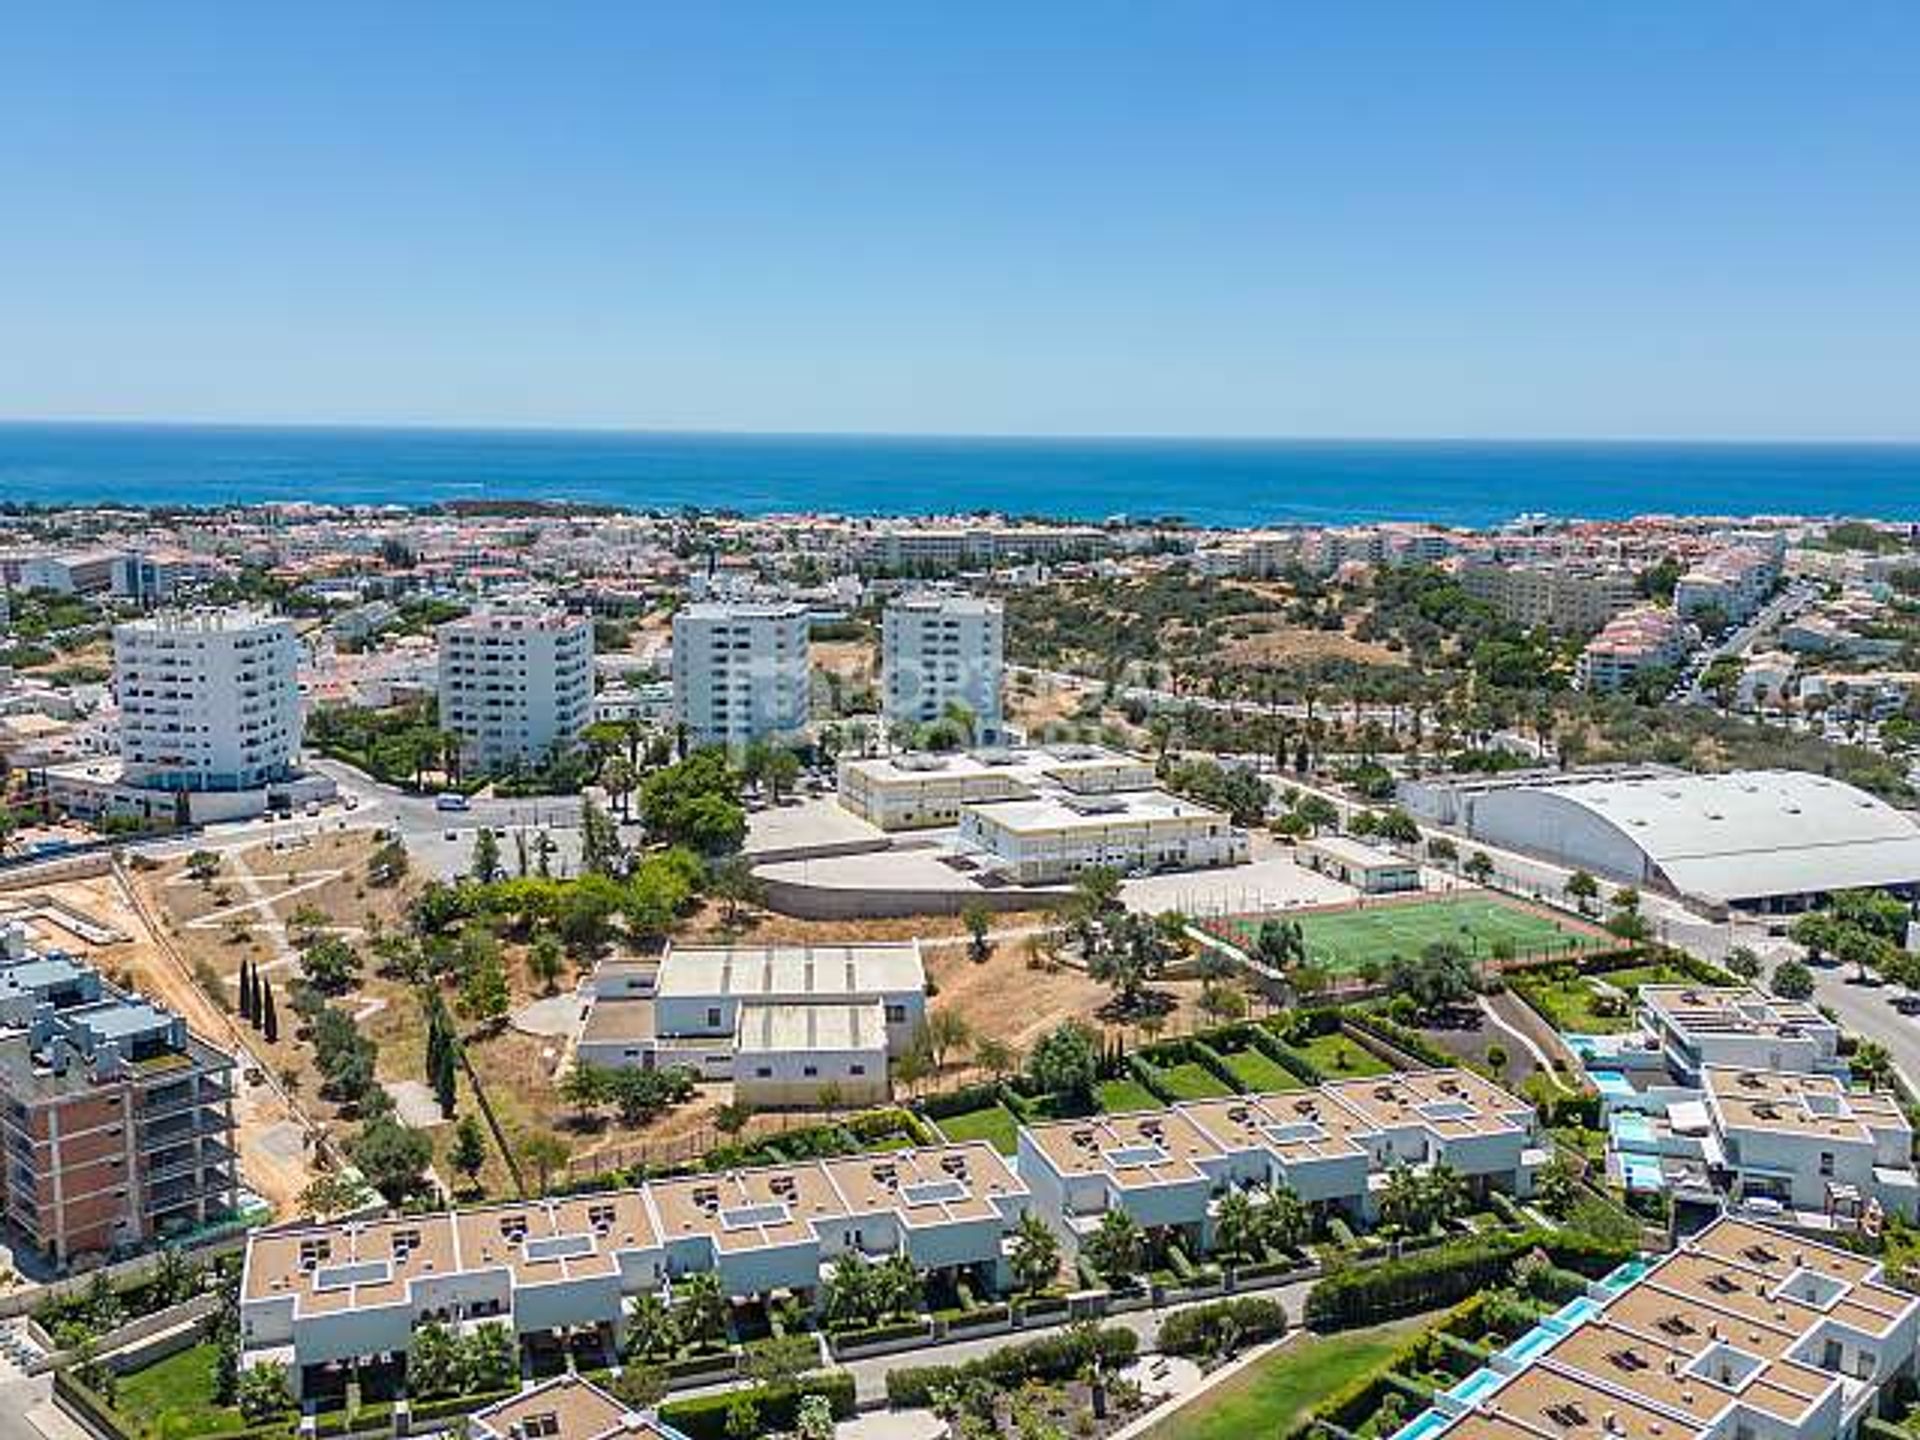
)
(701, 988)
(1334, 1146)
(1057, 836)
(1743, 1331)
(1370, 869)
(565, 1408)
(927, 789)
(320, 1295)
(797, 1054)
(1810, 1143)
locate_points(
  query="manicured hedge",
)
(1203, 1329)
(1053, 1357)
(705, 1417)
(1401, 1038)
(1447, 1273)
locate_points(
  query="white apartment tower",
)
(938, 649)
(741, 671)
(516, 684)
(208, 699)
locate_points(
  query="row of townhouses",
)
(318, 1295)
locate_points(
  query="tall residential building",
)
(117, 1122)
(208, 700)
(940, 649)
(516, 684)
(741, 671)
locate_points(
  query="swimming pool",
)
(1631, 1128)
(1542, 1337)
(1574, 1312)
(1641, 1172)
(1427, 1423)
(1624, 1275)
(1611, 1084)
(1476, 1387)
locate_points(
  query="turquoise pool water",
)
(1632, 1128)
(1624, 1275)
(1542, 1337)
(1423, 1425)
(1642, 1172)
(1476, 1387)
(1611, 1084)
(1575, 1311)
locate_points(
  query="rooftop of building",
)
(1812, 1106)
(1162, 1146)
(1732, 1010)
(564, 1408)
(331, 1268)
(1045, 813)
(880, 967)
(1715, 1328)
(232, 620)
(784, 1027)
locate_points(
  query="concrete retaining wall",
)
(839, 902)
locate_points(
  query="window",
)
(713, 1017)
(856, 1069)
(1826, 1162)
(896, 1014)
(763, 1072)
(810, 1071)
(541, 1426)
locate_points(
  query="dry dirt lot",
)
(1272, 641)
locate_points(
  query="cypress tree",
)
(270, 1020)
(246, 990)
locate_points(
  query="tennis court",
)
(1348, 938)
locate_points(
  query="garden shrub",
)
(1208, 1329)
(704, 1417)
(1053, 1357)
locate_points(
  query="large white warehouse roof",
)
(1747, 835)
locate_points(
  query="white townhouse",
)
(1743, 1332)
(1333, 1146)
(1735, 1026)
(319, 1296)
(1810, 1143)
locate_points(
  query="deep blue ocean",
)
(1208, 482)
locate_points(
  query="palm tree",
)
(1284, 1221)
(1236, 1226)
(652, 1328)
(1036, 1252)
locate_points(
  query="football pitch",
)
(1345, 940)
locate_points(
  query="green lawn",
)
(1344, 940)
(993, 1123)
(173, 1399)
(1193, 1081)
(1128, 1094)
(1339, 1058)
(1568, 1003)
(1257, 1071)
(1270, 1398)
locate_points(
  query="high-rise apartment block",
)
(208, 700)
(741, 671)
(516, 684)
(940, 650)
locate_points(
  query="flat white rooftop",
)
(791, 972)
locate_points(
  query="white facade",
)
(1055, 837)
(923, 789)
(796, 1054)
(516, 684)
(741, 672)
(209, 700)
(1810, 1143)
(940, 649)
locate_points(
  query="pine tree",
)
(270, 1019)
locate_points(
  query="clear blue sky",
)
(1645, 219)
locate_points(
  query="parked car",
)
(450, 800)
